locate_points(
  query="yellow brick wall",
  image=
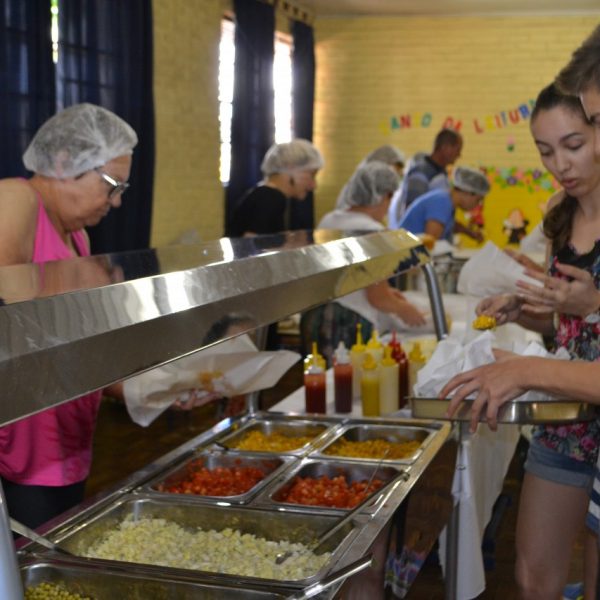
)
(371, 70)
(187, 191)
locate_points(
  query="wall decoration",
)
(481, 124)
(510, 144)
(515, 226)
(533, 180)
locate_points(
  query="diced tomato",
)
(220, 481)
(331, 492)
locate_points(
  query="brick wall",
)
(370, 71)
(187, 191)
(373, 73)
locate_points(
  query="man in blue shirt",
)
(433, 212)
(426, 172)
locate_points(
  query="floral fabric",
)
(579, 440)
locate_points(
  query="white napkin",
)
(231, 368)
(491, 271)
(452, 357)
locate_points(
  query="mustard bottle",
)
(369, 387)
(416, 361)
(357, 355)
(389, 383)
(375, 347)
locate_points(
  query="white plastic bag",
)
(231, 368)
(451, 357)
(491, 271)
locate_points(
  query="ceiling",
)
(330, 8)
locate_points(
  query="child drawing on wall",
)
(515, 226)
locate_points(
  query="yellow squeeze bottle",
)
(375, 347)
(389, 383)
(369, 387)
(416, 361)
(357, 355)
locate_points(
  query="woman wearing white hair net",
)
(367, 197)
(289, 173)
(433, 212)
(388, 154)
(80, 159)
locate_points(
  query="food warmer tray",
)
(359, 430)
(97, 581)
(519, 412)
(298, 527)
(88, 521)
(306, 426)
(270, 496)
(272, 466)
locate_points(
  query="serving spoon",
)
(30, 534)
(383, 492)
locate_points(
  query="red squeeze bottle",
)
(400, 357)
(315, 388)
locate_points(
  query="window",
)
(226, 71)
(54, 30)
(282, 86)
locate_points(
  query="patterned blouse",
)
(580, 440)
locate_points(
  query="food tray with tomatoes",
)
(326, 485)
(214, 475)
(373, 442)
(278, 436)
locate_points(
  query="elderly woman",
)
(80, 160)
(367, 196)
(289, 175)
(388, 154)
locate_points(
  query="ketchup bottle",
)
(315, 388)
(400, 357)
(342, 378)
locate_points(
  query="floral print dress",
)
(579, 440)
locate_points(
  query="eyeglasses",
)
(117, 187)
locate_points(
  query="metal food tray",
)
(102, 583)
(81, 533)
(319, 430)
(522, 413)
(318, 468)
(212, 459)
(362, 431)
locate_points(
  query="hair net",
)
(471, 180)
(78, 139)
(297, 155)
(369, 183)
(390, 155)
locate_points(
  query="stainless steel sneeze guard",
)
(59, 347)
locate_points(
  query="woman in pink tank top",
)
(81, 160)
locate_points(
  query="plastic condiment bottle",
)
(416, 360)
(399, 356)
(369, 387)
(357, 355)
(315, 388)
(342, 379)
(388, 383)
(375, 347)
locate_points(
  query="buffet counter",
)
(483, 458)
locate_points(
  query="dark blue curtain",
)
(105, 57)
(27, 92)
(252, 123)
(303, 97)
